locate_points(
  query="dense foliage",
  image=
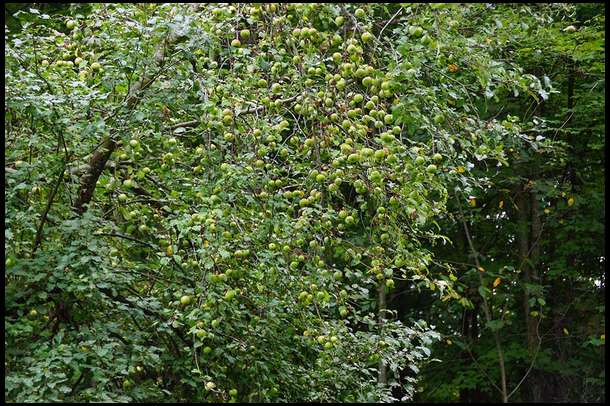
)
(284, 202)
(537, 226)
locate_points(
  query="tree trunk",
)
(470, 329)
(527, 209)
(534, 254)
(88, 181)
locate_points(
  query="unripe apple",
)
(368, 81)
(379, 154)
(353, 158)
(229, 295)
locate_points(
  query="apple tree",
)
(212, 202)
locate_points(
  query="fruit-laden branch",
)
(252, 110)
(98, 160)
(148, 312)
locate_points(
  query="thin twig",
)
(486, 310)
(531, 364)
(43, 219)
(389, 22)
(126, 237)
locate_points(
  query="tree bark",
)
(88, 181)
(528, 223)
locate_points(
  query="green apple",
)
(353, 158)
(366, 36)
(379, 154)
